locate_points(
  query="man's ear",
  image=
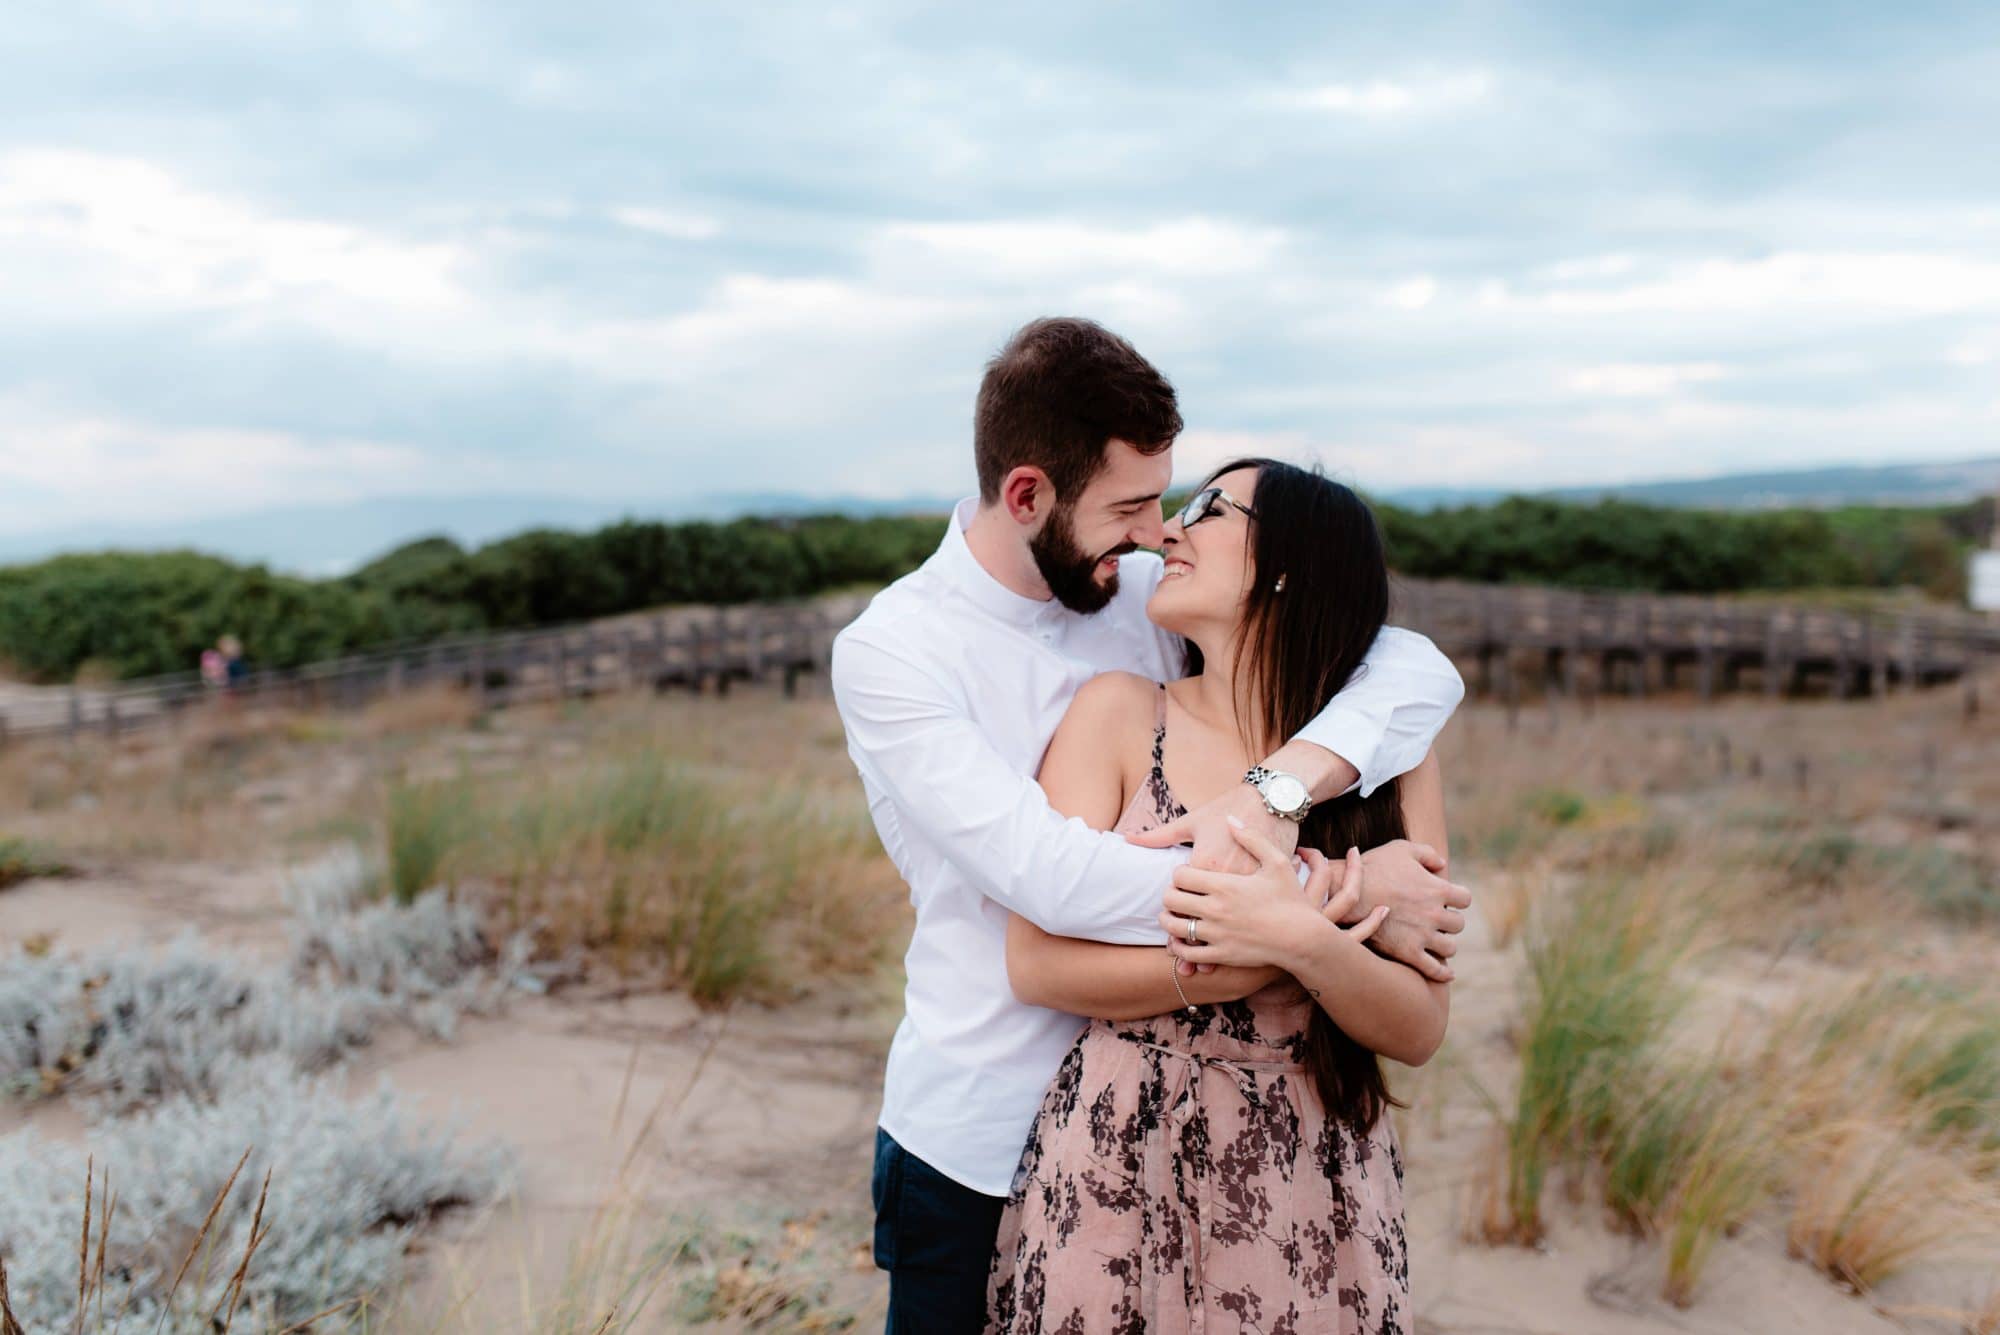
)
(1027, 495)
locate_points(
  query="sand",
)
(763, 1115)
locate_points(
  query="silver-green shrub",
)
(350, 1182)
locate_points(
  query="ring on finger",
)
(1192, 939)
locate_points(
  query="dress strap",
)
(1160, 735)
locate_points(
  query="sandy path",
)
(741, 1119)
(761, 1115)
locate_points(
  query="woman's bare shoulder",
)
(1098, 752)
(1112, 699)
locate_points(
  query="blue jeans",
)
(935, 1238)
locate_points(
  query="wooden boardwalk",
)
(1506, 639)
(696, 648)
(1577, 642)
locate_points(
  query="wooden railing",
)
(700, 648)
(1638, 642)
(1568, 641)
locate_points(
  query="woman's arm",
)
(1386, 1006)
(1421, 796)
(1112, 982)
(1085, 775)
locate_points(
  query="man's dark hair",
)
(1056, 394)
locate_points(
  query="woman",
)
(1228, 1167)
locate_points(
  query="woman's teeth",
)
(1174, 569)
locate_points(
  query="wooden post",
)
(1878, 670)
(1642, 659)
(748, 630)
(1705, 673)
(1773, 657)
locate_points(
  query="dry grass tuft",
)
(1870, 1201)
(429, 709)
(1601, 961)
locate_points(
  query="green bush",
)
(1622, 545)
(142, 613)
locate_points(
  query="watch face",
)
(1285, 793)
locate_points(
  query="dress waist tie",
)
(1183, 1099)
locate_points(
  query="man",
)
(950, 685)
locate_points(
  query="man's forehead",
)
(1133, 475)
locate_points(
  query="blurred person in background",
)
(234, 666)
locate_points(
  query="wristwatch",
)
(1285, 795)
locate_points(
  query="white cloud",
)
(1587, 267)
(987, 252)
(1642, 379)
(1411, 295)
(745, 319)
(83, 224)
(663, 222)
(1797, 279)
(102, 467)
(1380, 98)
(1974, 352)
(1200, 451)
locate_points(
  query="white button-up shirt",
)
(950, 686)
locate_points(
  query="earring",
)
(1279, 587)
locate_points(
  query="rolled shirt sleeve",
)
(1384, 721)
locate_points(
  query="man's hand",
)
(1426, 911)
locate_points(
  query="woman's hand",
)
(1266, 918)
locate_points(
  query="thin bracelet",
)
(1174, 964)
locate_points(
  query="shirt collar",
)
(963, 571)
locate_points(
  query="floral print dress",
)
(1182, 1177)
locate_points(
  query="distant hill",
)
(325, 540)
(1811, 488)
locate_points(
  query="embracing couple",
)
(1082, 1131)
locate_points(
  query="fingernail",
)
(1235, 822)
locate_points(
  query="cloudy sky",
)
(259, 253)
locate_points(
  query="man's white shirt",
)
(950, 686)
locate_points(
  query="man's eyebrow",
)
(1140, 500)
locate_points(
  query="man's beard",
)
(1070, 572)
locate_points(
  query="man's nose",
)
(1151, 532)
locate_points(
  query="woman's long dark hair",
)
(1299, 646)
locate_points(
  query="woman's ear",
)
(1027, 495)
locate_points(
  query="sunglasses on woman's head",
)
(1206, 504)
